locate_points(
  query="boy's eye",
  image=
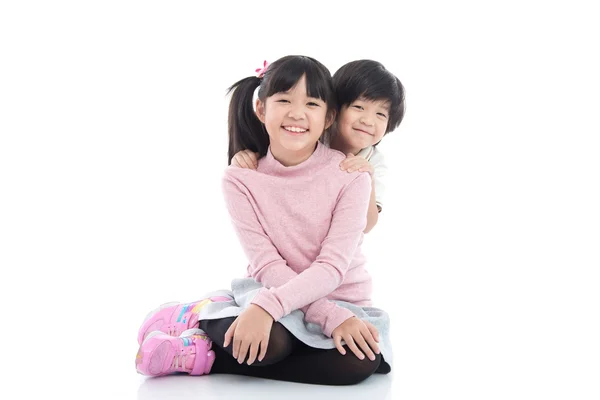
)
(282, 101)
(358, 107)
(382, 115)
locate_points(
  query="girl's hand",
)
(245, 159)
(356, 163)
(250, 331)
(356, 331)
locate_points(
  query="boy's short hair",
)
(370, 80)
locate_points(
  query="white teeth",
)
(294, 129)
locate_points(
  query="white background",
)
(113, 142)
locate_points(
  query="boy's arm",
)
(373, 211)
(379, 177)
(359, 163)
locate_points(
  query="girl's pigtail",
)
(246, 131)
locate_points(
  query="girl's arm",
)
(268, 268)
(326, 273)
(248, 159)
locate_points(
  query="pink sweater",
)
(301, 228)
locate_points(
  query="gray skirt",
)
(243, 292)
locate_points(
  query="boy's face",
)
(363, 122)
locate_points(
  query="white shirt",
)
(376, 159)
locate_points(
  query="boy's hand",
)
(355, 163)
(245, 159)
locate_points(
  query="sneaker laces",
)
(179, 361)
(173, 331)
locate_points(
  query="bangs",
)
(289, 74)
(369, 87)
(380, 91)
(380, 101)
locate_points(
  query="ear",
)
(330, 119)
(260, 110)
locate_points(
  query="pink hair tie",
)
(260, 72)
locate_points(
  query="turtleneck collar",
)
(269, 165)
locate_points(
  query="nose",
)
(296, 112)
(366, 120)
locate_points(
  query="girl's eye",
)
(382, 115)
(282, 101)
(358, 107)
(313, 104)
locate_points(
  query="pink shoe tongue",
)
(193, 322)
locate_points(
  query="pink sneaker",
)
(162, 354)
(174, 318)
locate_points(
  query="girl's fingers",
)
(243, 351)
(366, 333)
(253, 352)
(352, 346)
(338, 344)
(373, 344)
(360, 340)
(263, 349)
(373, 330)
(237, 344)
(229, 334)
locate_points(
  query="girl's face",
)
(294, 121)
(363, 122)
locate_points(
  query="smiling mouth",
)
(363, 132)
(295, 130)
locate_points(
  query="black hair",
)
(246, 131)
(370, 80)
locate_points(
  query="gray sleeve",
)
(378, 163)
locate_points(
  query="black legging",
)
(288, 359)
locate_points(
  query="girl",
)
(370, 102)
(299, 219)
